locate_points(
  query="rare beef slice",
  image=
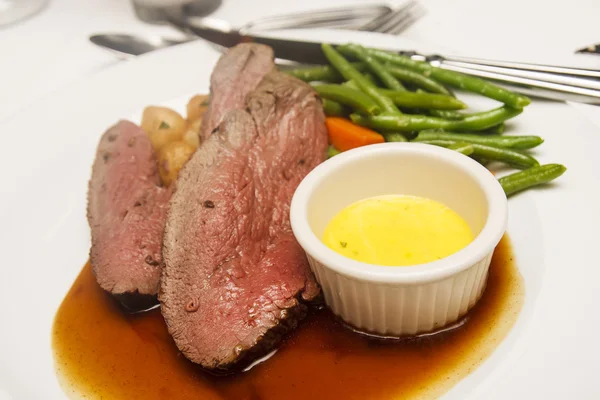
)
(236, 74)
(126, 212)
(235, 278)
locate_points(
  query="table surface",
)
(51, 50)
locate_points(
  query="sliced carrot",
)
(345, 135)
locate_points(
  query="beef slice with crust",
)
(235, 278)
(126, 212)
(237, 73)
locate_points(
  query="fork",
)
(383, 19)
(388, 20)
(340, 17)
(397, 21)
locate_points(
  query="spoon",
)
(127, 46)
(130, 46)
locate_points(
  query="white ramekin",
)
(398, 301)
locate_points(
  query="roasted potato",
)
(171, 158)
(192, 135)
(197, 106)
(163, 125)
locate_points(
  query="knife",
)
(545, 81)
(593, 49)
(288, 50)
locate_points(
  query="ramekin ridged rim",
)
(479, 248)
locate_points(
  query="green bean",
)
(332, 151)
(496, 129)
(456, 79)
(481, 160)
(371, 78)
(455, 115)
(352, 84)
(506, 142)
(531, 177)
(417, 79)
(321, 73)
(510, 157)
(447, 114)
(351, 73)
(472, 122)
(348, 96)
(394, 137)
(374, 66)
(334, 109)
(462, 147)
(423, 100)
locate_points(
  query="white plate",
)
(47, 151)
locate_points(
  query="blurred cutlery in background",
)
(350, 17)
(129, 46)
(374, 18)
(592, 49)
(354, 16)
(396, 21)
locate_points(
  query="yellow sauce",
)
(397, 230)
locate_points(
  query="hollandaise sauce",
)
(397, 230)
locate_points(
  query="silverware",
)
(396, 21)
(129, 46)
(483, 64)
(543, 85)
(381, 20)
(350, 17)
(592, 49)
(552, 82)
(547, 81)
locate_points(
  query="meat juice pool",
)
(102, 352)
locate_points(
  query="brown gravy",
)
(101, 352)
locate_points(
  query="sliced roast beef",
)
(236, 74)
(235, 278)
(126, 212)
